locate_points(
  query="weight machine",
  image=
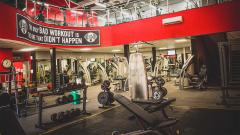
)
(9, 85)
(187, 80)
(120, 79)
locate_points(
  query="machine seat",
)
(162, 105)
(167, 123)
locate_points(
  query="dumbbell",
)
(54, 117)
(67, 115)
(70, 98)
(59, 100)
(64, 99)
(60, 116)
(77, 111)
(65, 88)
(72, 111)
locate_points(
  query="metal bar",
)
(55, 105)
(167, 7)
(26, 5)
(39, 122)
(16, 3)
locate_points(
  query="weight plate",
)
(157, 94)
(106, 83)
(164, 91)
(103, 87)
(160, 81)
(54, 117)
(70, 98)
(60, 116)
(59, 100)
(77, 111)
(103, 98)
(64, 99)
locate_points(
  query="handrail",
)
(89, 18)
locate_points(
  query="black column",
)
(76, 66)
(126, 51)
(53, 67)
(59, 66)
(153, 57)
(34, 68)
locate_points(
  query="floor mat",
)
(193, 122)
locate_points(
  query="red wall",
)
(199, 21)
(18, 66)
(5, 53)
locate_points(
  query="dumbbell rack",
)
(40, 124)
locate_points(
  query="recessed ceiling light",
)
(180, 40)
(116, 50)
(27, 49)
(86, 49)
(163, 48)
(133, 51)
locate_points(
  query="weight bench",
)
(146, 119)
(139, 132)
(156, 105)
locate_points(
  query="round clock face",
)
(6, 63)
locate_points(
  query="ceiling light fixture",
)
(133, 51)
(180, 40)
(27, 49)
(163, 48)
(86, 49)
(116, 50)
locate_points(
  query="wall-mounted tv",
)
(171, 52)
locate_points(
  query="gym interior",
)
(119, 67)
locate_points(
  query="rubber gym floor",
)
(192, 122)
(196, 110)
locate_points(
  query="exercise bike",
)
(105, 98)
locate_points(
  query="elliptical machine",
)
(159, 92)
(105, 98)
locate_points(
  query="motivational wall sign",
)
(62, 37)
